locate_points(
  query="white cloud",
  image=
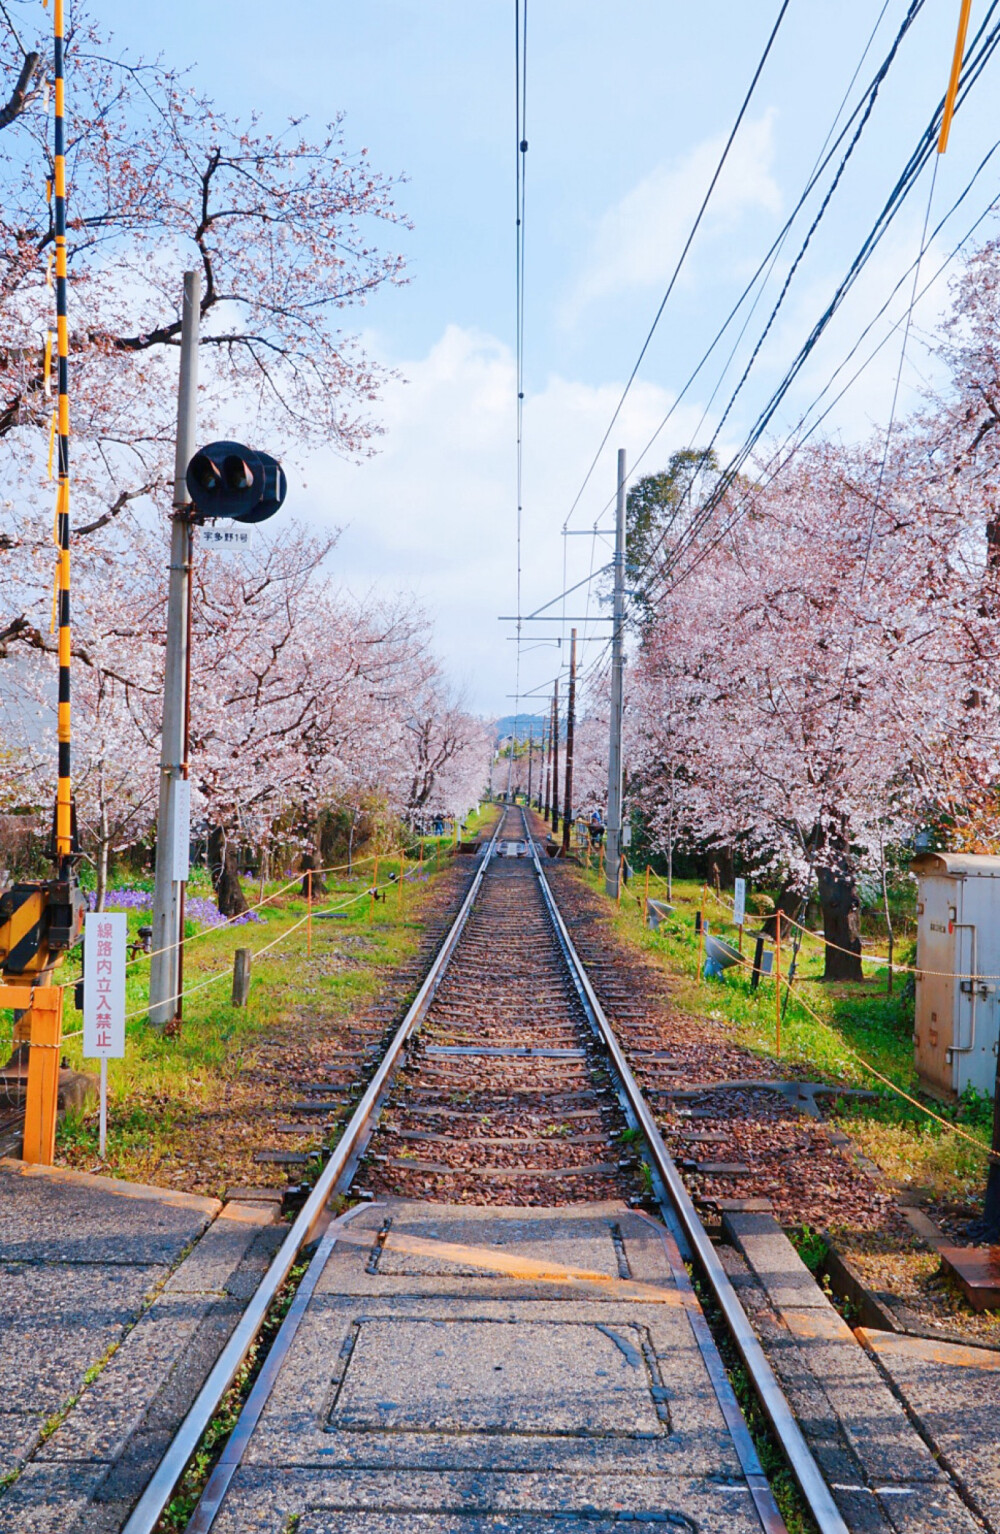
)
(638, 240)
(434, 512)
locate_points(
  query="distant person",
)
(596, 829)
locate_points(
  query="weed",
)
(179, 1510)
(791, 1503)
(810, 1245)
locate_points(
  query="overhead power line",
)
(520, 170)
(684, 252)
(981, 51)
(826, 157)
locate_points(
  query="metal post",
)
(570, 722)
(102, 1126)
(612, 865)
(990, 1227)
(555, 759)
(163, 972)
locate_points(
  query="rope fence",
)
(231, 921)
(310, 915)
(793, 992)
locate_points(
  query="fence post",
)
(374, 897)
(42, 1096)
(309, 912)
(241, 977)
(777, 982)
(645, 900)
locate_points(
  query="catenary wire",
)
(684, 252)
(903, 186)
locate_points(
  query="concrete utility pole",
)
(612, 861)
(546, 752)
(531, 747)
(555, 758)
(173, 817)
(570, 723)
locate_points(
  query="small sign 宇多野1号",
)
(739, 902)
(225, 539)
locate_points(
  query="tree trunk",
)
(888, 913)
(103, 845)
(310, 862)
(788, 904)
(223, 868)
(841, 907)
(102, 873)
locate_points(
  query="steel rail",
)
(148, 1510)
(800, 1458)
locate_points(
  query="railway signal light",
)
(274, 492)
(227, 479)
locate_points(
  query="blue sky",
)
(627, 109)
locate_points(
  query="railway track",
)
(505, 1095)
(504, 1084)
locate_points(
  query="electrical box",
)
(957, 1015)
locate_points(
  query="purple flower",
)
(197, 907)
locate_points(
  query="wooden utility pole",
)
(570, 722)
(555, 758)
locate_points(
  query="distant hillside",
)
(527, 725)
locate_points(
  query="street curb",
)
(113, 1185)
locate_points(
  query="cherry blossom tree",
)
(284, 227)
(823, 673)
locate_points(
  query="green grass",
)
(167, 1087)
(844, 1022)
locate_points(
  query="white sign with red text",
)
(105, 936)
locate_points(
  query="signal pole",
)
(612, 861)
(555, 758)
(570, 724)
(173, 816)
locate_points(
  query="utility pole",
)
(173, 817)
(570, 723)
(612, 861)
(531, 743)
(555, 759)
(547, 768)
